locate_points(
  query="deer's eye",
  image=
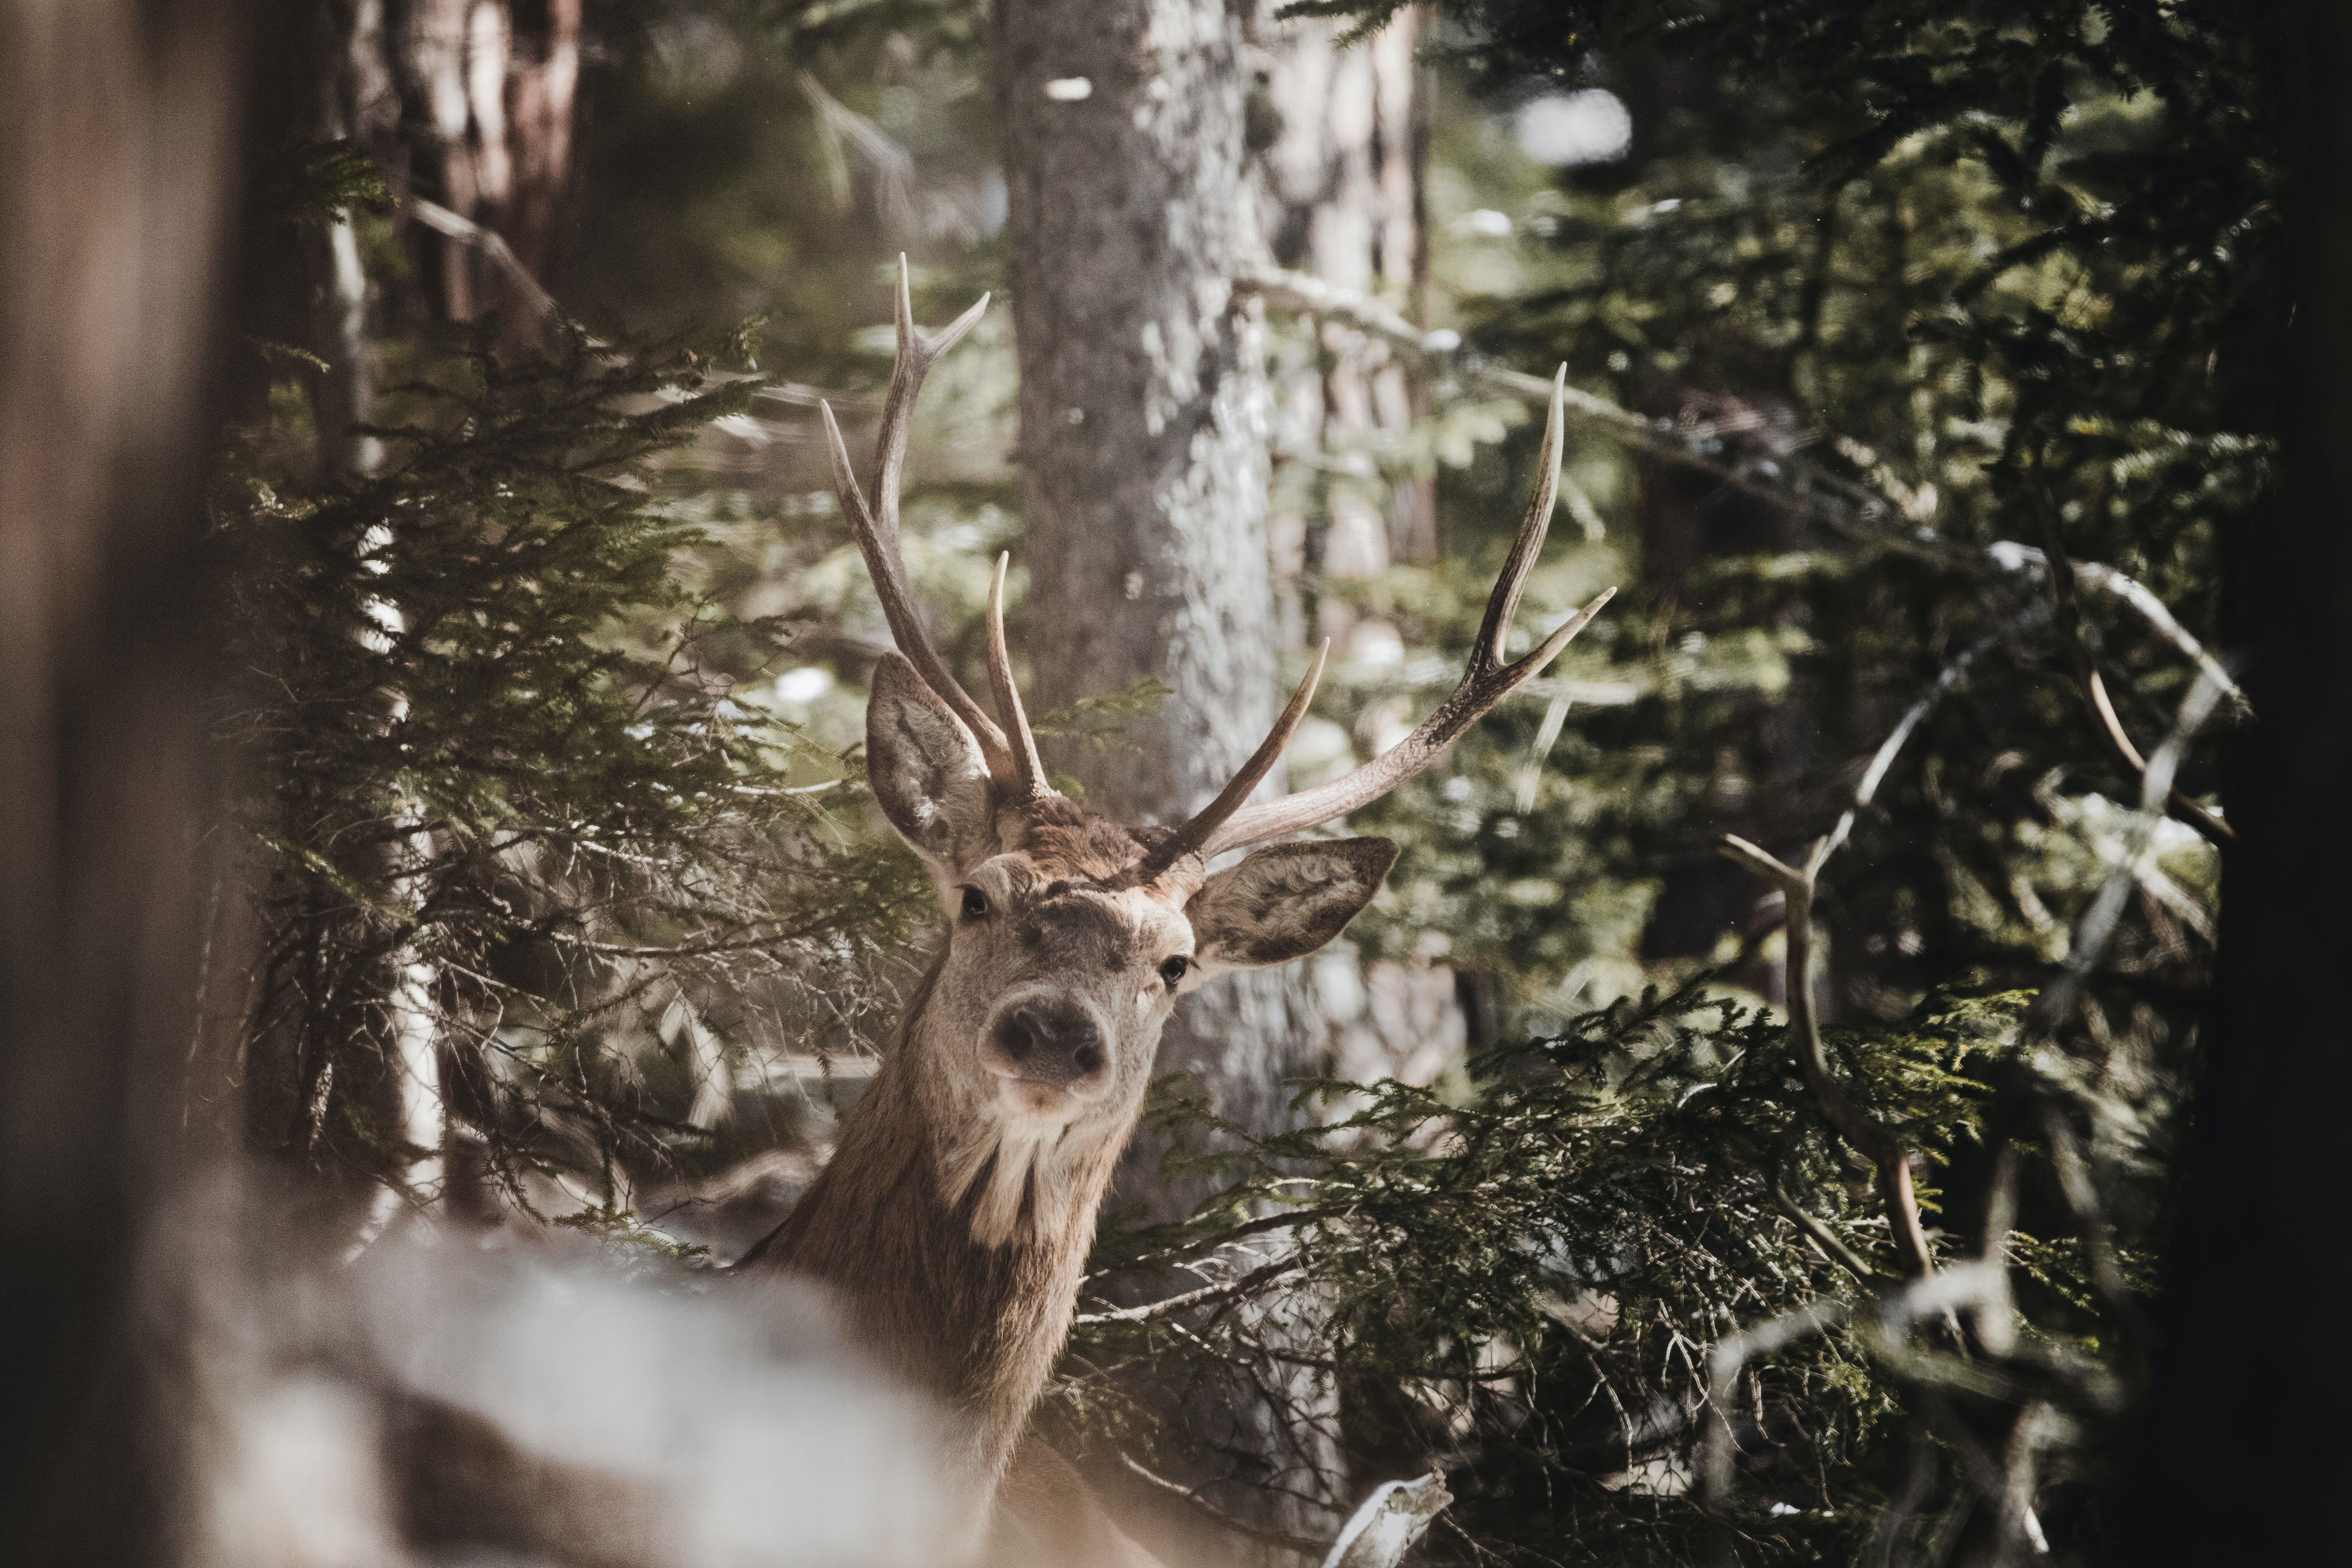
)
(1172, 971)
(975, 904)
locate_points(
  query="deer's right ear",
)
(927, 771)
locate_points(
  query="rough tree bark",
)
(1338, 183)
(1131, 137)
(1143, 436)
(120, 128)
(1144, 455)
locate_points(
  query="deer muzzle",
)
(1047, 1045)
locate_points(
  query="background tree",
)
(1921, 376)
(1144, 459)
(1964, 286)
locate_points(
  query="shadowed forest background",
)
(1840, 1071)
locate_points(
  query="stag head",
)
(1071, 935)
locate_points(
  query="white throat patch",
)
(1031, 1159)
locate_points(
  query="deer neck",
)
(908, 1224)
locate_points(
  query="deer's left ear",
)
(1285, 901)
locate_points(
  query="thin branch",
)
(491, 244)
(1845, 505)
(2098, 928)
(2086, 670)
(2009, 556)
(2090, 1218)
(1812, 1225)
(1192, 1497)
(1883, 758)
(1724, 1363)
(1240, 1285)
(1856, 1126)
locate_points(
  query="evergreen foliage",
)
(1950, 299)
(498, 727)
(1532, 1274)
(1948, 294)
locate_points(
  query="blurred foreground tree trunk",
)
(2245, 1456)
(120, 130)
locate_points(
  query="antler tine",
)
(1196, 835)
(1504, 603)
(875, 528)
(917, 354)
(1029, 773)
(1486, 682)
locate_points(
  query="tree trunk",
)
(1341, 138)
(1143, 443)
(1128, 141)
(2244, 1456)
(469, 104)
(1143, 447)
(119, 126)
(1339, 180)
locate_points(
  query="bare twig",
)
(466, 231)
(2059, 1000)
(2093, 684)
(1997, 1314)
(1879, 1145)
(1190, 1497)
(1886, 1153)
(1724, 1361)
(2090, 1218)
(1812, 1225)
(1839, 501)
(1883, 759)
(1222, 1289)
(2009, 556)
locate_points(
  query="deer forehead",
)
(1082, 921)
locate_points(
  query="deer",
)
(953, 1218)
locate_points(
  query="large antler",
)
(1226, 824)
(1012, 761)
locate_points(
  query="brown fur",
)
(955, 1215)
(978, 1325)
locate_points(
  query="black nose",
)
(1052, 1042)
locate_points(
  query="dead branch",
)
(2093, 685)
(1221, 1290)
(1886, 1151)
(2098, 927)
(1844, 505)
(466, 231)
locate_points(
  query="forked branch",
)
(1880, 1146)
